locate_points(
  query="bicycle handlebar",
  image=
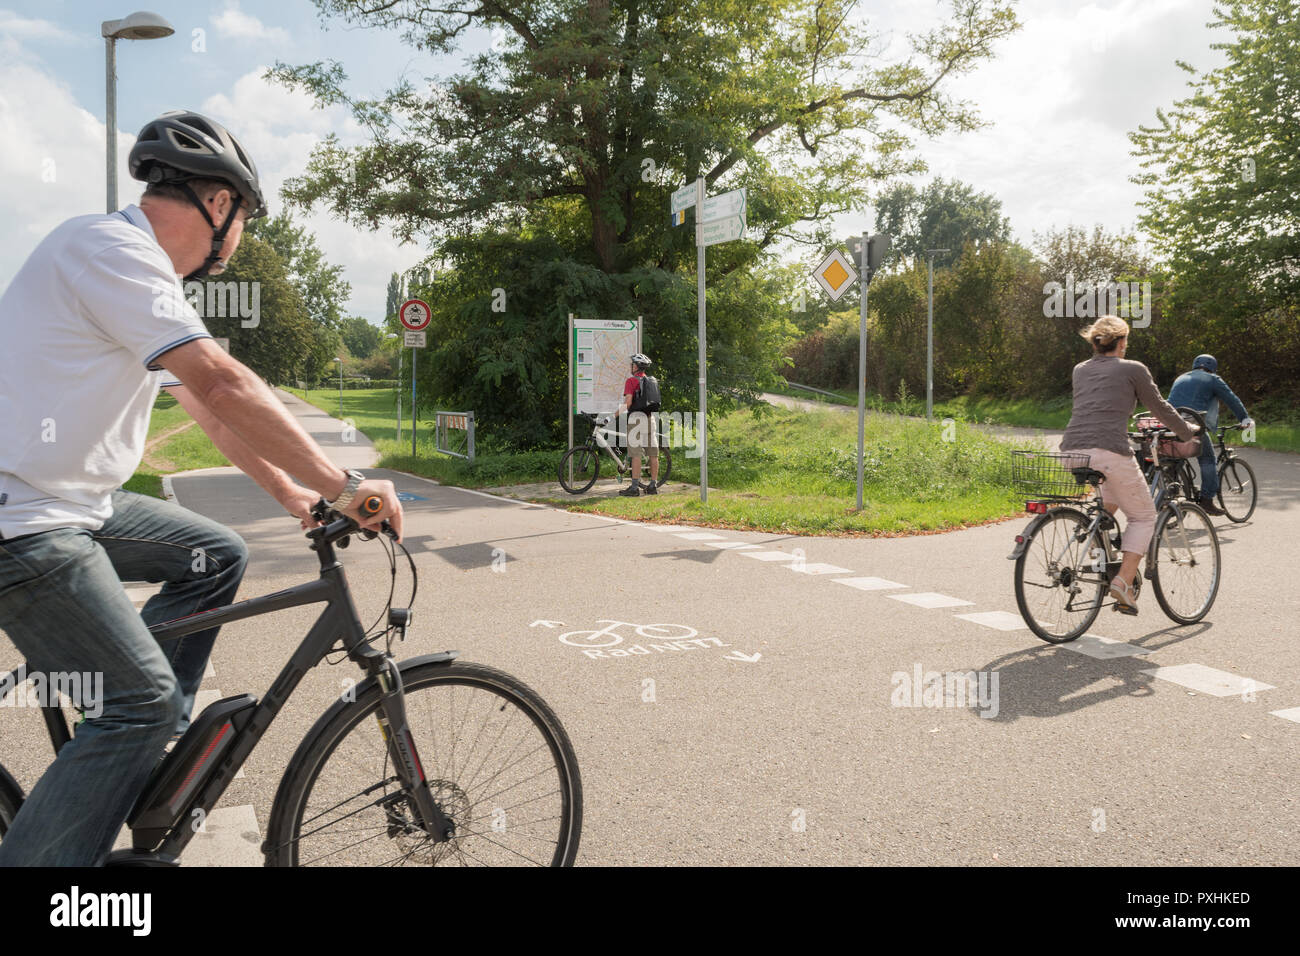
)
(336, 525)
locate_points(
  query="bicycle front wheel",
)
(665, 465)
(1057, 588)
(1237, 490)
(496, 760)
(1184, 567)
(586, 469)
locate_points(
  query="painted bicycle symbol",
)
(609, 636)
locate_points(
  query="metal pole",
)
(340, 389)
(929, 350)
(399, 393)
(414, 355)
(704, 375)
(862, 368)
(110, 149)
(571, 374)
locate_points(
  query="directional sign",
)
(683, 198)
(720, 207)
(415, 314)
(414, 340)
(721, 230)
(835, 274)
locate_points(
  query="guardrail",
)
(446, 422)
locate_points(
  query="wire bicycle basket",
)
(1046, 474)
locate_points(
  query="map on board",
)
(601, 349)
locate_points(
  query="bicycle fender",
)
(1031, 529)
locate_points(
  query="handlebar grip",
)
(372, 505)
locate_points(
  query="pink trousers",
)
(1124, 486)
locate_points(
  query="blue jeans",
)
(1209, 468)
(63, 606)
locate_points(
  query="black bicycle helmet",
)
(181, 146)
(1207, 362)
(641, 361)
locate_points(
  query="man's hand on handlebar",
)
(391, 511)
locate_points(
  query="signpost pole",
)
(699, 273)
(414, 353)
(399, 394)
(863, 282)
(571, 391)
(929, 349)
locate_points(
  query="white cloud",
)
(235, 24)
(22, 28)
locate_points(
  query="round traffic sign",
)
(415, 314)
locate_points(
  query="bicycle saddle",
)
(1087, 476)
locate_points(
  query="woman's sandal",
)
(1125, 596)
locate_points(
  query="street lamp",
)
(340, 361)
(929, 341)
(141, 25)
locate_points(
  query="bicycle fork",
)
(406, 759)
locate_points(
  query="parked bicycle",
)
(492, 781)
(585, 458)
(1066, 555)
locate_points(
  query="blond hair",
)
(1105, 332)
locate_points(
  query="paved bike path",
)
(779, 732)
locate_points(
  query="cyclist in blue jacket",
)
(1202, 390)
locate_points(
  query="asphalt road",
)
(792, 727)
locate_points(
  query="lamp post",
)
(340, 361)
(141, 25)
(929, 341)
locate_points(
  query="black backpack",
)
(647, 397)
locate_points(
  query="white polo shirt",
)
(81, 326)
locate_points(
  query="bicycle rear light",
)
(1036, 507)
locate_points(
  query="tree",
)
(322, 286)
(278, 342)
(942, 215)
(1222, 203)
(360, 337)
(573, 130)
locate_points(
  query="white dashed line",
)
(1104, 648)
(929, 599)
(1291, 713)
(998, 620)
(819, 569)
(769, 556)
(870, 584)
(699, 536)
(731, 545)
(1208, 680)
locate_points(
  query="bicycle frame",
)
(209, 776)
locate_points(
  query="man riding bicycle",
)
(1202, 390)
(89, 327)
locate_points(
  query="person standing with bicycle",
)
(89, 326)
(1201, 389)
(640, 407)
(1106, 391)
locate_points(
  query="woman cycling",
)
(1107, 390)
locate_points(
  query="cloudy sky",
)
(1059, 99)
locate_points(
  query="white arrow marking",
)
(747, 658)
(547, 623)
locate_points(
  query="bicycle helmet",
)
(1207, 362)
(640, 361)
(180, 146)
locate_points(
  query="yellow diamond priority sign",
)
(835, 274)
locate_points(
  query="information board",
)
(601, 349)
